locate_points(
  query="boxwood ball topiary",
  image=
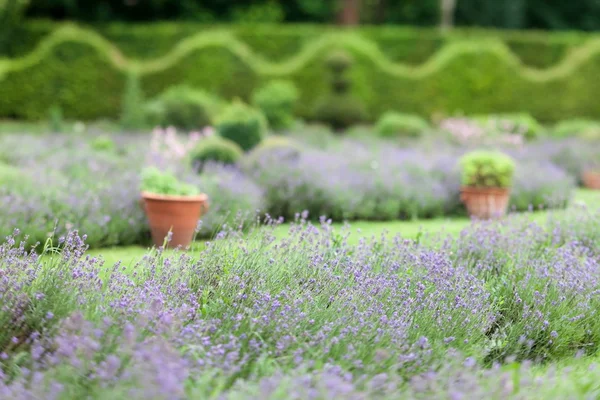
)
(184, 108)
(216, 149)
(277, 100)
(339, 61)
(394, 124)
(277, 146)
(104, 143)
(487, 169)
(340, 111)
(242, 124)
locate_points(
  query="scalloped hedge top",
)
(474, 77)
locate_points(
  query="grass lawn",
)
(129, 255)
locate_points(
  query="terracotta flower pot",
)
(591, 179)
(485, 203)
(178, 214)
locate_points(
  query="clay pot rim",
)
(479, 189)
(170, 197)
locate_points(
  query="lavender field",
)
(51, 185)
(309, 316)
(505, 309)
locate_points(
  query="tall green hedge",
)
(84, 72)
(410, 45)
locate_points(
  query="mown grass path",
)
(129, 255)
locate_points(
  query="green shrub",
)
(483, 168)
(273, 146)
(340, 111)
(132, 105)
(522, 124)
(184, 108)
(339, 61)
(242, 124)
(393, 124)
(582, 128)
(11, 14)
(277, 100)
(104, 143)
(217, 149)
(160, 182)
(407, 45)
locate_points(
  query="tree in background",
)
(11, 12)
(447, 8)
(349, 12)
(508, 14)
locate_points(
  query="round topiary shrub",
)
(277, 100)
(279, 147)
(183, 108)
(215, 149)
(340, 111)
(242, 124)
(339, 61)
(103, 143)
(394, 124)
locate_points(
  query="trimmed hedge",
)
(84, 73)
(409, 45)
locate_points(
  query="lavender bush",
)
(354, 180)
(71, 183)
(68, 184)
(307, 316)
(74, 187)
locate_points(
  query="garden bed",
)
(53, 184)
(308, 315)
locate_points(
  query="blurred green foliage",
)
(277, 100)
(397, 125)
(215, 149)
(242, 124)
(183, 107)
(165, 183)
(456, 73)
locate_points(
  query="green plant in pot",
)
(173, 207)
(487, 177)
